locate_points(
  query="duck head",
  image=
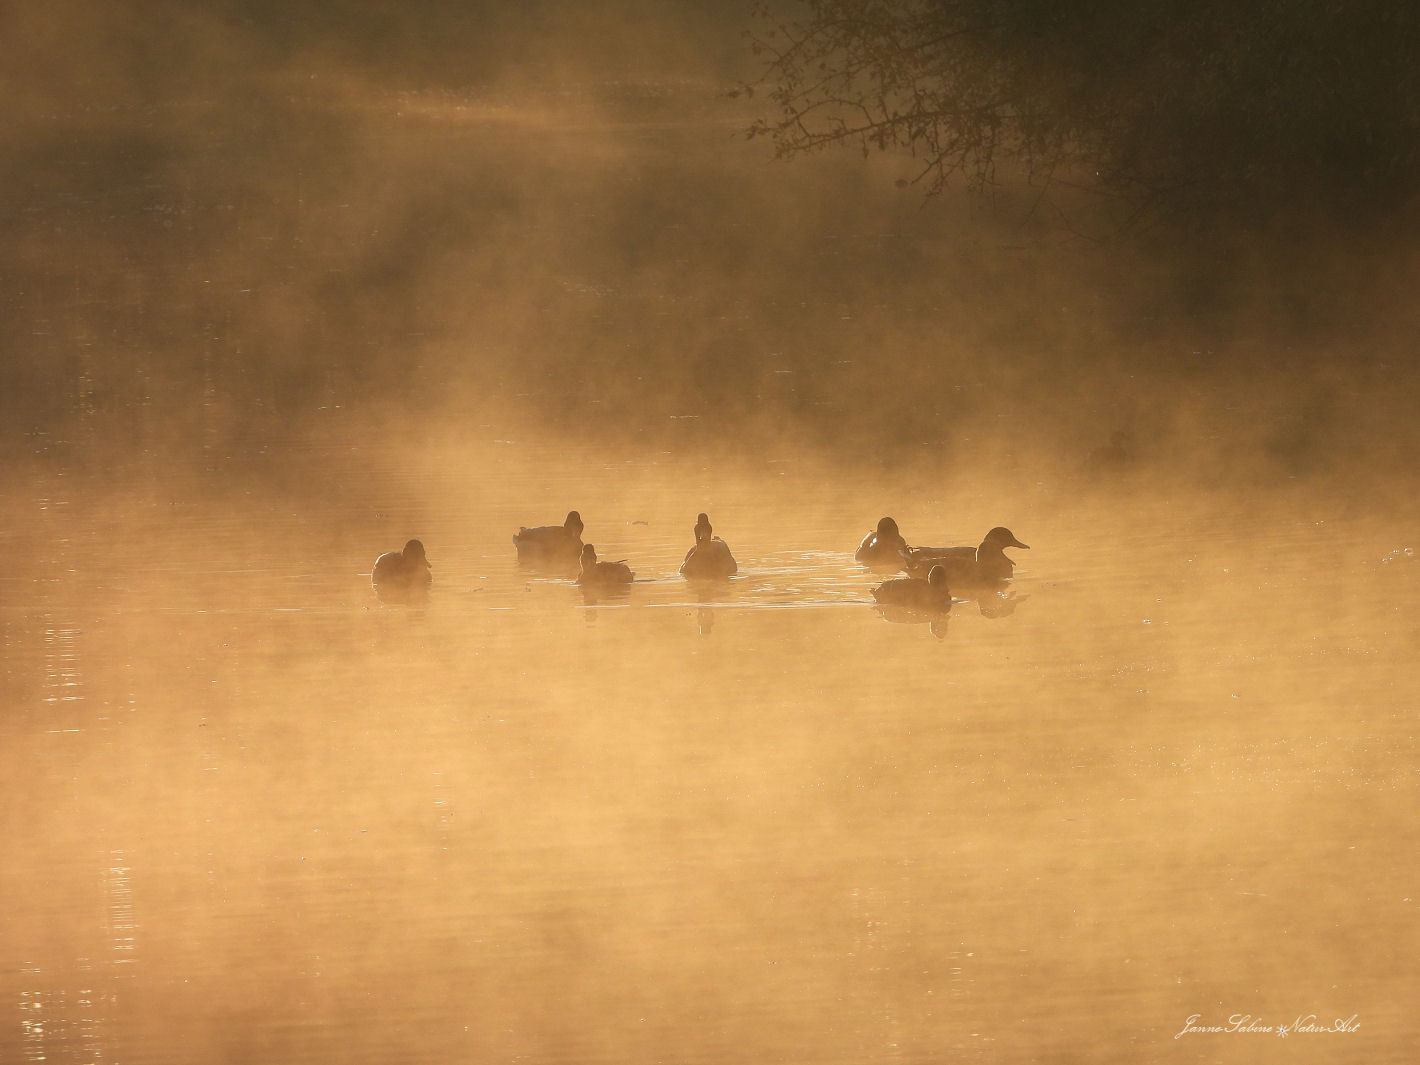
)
(413, 553)
(589, 556)
(1002, 537)
(573, 524)
(702, 528)
(887, 529)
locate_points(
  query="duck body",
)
(974, 567)
(551, 544)
(920, 560)
(930, 596)
(710, 558)
(884, 547)
(402, 575)
(602, 574)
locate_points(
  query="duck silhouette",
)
(929, 596)
(710, 558)
(402, 575)
(551, 544)
(883, 548)
(969, 566)
(602, 574)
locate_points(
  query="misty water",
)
(254, 815)
(276, 302)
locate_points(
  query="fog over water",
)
(283, 290)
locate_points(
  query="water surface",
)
(253, 815)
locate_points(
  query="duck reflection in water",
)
(402, 576)
(897, 615)
(994, 603)
(709, 595)
(551, 547)
(969, 567)
(710, 558)
(883, 549)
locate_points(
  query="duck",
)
(602, 573)
(710, 558)
(883, 547)
(551, 543)
(928, 596)
(919, 560)
(969, 566)
(402, 574)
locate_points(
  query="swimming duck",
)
(969, 566)
(920, 560)
(710, 558)
(913, 593)
(551, 543)
(883, 547)
(401, 574)
(594, 572)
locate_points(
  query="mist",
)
(230, 223)
(287, 286)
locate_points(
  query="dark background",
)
(236, 224)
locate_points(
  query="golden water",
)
(253, 816)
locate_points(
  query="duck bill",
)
(1016, 543)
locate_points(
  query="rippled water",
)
(252, 815)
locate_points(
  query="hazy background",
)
(284, 285)
(231, 223)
